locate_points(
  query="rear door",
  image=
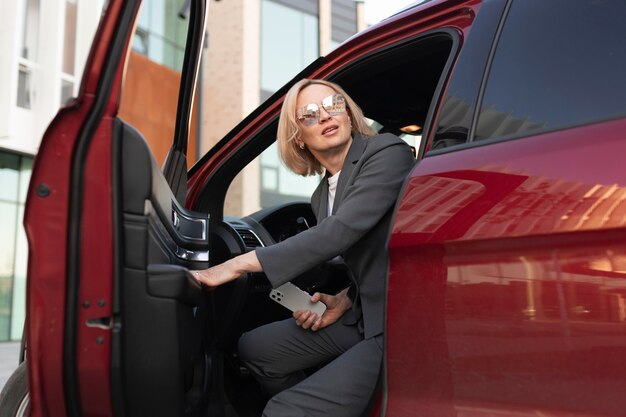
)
(116, 325)
(507, 284)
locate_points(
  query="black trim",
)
(175, 167)
(452, 127)
(522, 135)
(483, 81)
(189, 76)
(118, 388)
(105, 85)
(319, 62)
(437, 97)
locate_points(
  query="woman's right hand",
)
(229, 270)
(336, 306)
(216, 275)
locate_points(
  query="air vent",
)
(249, 238)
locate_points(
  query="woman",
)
(322, 130)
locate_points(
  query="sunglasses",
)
(310, 114)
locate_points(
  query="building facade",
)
(43, 47)
(253, 48)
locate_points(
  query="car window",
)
(556, 66)
(278, 185)
(394, 87)
(275, 185)
(151, 85)
(458, 107)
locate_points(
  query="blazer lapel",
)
(319, 200)
(354, 154)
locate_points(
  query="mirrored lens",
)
(310, 114)
(334, 104)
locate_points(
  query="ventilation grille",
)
(249, 238)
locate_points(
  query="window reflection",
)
(161, 33)
(477, 204)
(151, 85)
(573, 287)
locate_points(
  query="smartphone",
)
(292, 297)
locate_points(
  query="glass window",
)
(161, 33)
(67, 90)
(140, 41)
(568, 70)
(18, 302)
(9, 174)
(8, 222)
(26, 169)
(30, 29)
(15, 172)
(282, 180)
(151, 87)
(69, 52)
(295, 32)
(156, 16)
(269, 178)
(452, 124)
(278, 185)
(24, 86)
(28, 41)
(69, 38)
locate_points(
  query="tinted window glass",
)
(558, 63)
(152, 80)
(459, 104)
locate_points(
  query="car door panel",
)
(114, 313)
(164, 311)
(519, 295)
(57, 317)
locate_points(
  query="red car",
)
(507, 281)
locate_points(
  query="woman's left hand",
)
(336, 306)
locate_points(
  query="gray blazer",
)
(369, 184)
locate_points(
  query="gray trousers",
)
(278, 353)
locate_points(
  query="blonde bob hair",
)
(302, 161)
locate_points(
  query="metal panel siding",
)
(343, 19)
(306, 6)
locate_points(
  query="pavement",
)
(9, 360)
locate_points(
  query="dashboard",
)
(273, 224)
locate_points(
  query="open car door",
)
(116, 324)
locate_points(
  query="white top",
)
(332, 188)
